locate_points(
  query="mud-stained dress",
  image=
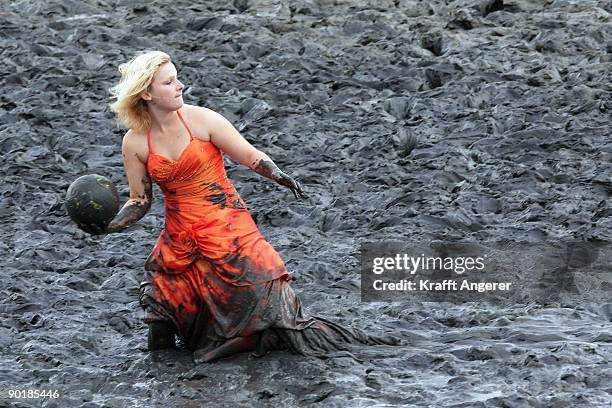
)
(213, 275)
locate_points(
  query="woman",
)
(211, 278)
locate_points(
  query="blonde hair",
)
(136, 76)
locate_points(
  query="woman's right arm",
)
(141, 189)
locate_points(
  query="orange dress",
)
(211, 272)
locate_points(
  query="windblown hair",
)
(136, 76)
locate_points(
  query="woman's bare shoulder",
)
(135, 143)
(202, 112)
(196, 112)
(199, 120)
(133, 138)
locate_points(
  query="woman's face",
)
(166, 91)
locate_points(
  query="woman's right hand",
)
(96, 230)
(132, 211)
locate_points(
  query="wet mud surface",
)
(403, 120)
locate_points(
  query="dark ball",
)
(92, 202)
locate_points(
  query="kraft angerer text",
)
(411, 264)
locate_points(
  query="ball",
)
(92, 201)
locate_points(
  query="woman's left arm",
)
(225, 136)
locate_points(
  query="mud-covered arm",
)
(225, 136)
(262, 164)
(141, 188)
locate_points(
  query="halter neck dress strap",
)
(185, 124)
(149, 140)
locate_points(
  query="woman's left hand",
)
(285, 180)
(266, 167)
